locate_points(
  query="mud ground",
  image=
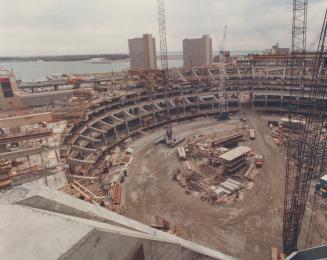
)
(246, 229)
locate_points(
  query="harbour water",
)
(39, 70)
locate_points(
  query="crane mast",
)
(164, 67)
(222, 78)
(304, 146)
(292, 213)
(222, 46)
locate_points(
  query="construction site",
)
(223, 161)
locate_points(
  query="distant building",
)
(275, 50)
(9, 95)
(197, 52)
(142, 52)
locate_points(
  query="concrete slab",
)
(83, 230)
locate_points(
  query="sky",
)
(54, 27)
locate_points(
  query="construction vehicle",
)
(252, 134)
(258, 160)
(169, 139)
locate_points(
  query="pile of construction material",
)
(215, 167)
(103, 185)
(281, 129)
(27, 150)
(163, 225)
(5, 175)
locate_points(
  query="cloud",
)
(42, 27)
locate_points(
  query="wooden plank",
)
(117, 194)
(274, 253)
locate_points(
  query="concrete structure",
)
(234, 159)
(142, 52)
(319, 252)
(9, 96)
(57, 226)
(18, 121)
(197, 52)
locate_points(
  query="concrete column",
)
(116, 133)
(126, 124)
(140, 120)
(105, 138)
(184, 107)
(155, 118)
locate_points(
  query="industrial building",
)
(276, 50)
(9, 95)
(142, 52)
(197, 52)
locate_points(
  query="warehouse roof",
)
(235, 153)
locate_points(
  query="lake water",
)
(39, 70)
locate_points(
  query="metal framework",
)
(164, 64)
(304, 146)
(222, 78)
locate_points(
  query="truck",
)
(252, 134)
(258, 160)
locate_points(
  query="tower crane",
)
(222, 46)
(293, 213)
(303, 162)
(221, 80)
(169, 137)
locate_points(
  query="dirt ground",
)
(247, 229)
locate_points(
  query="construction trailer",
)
(234, 159)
